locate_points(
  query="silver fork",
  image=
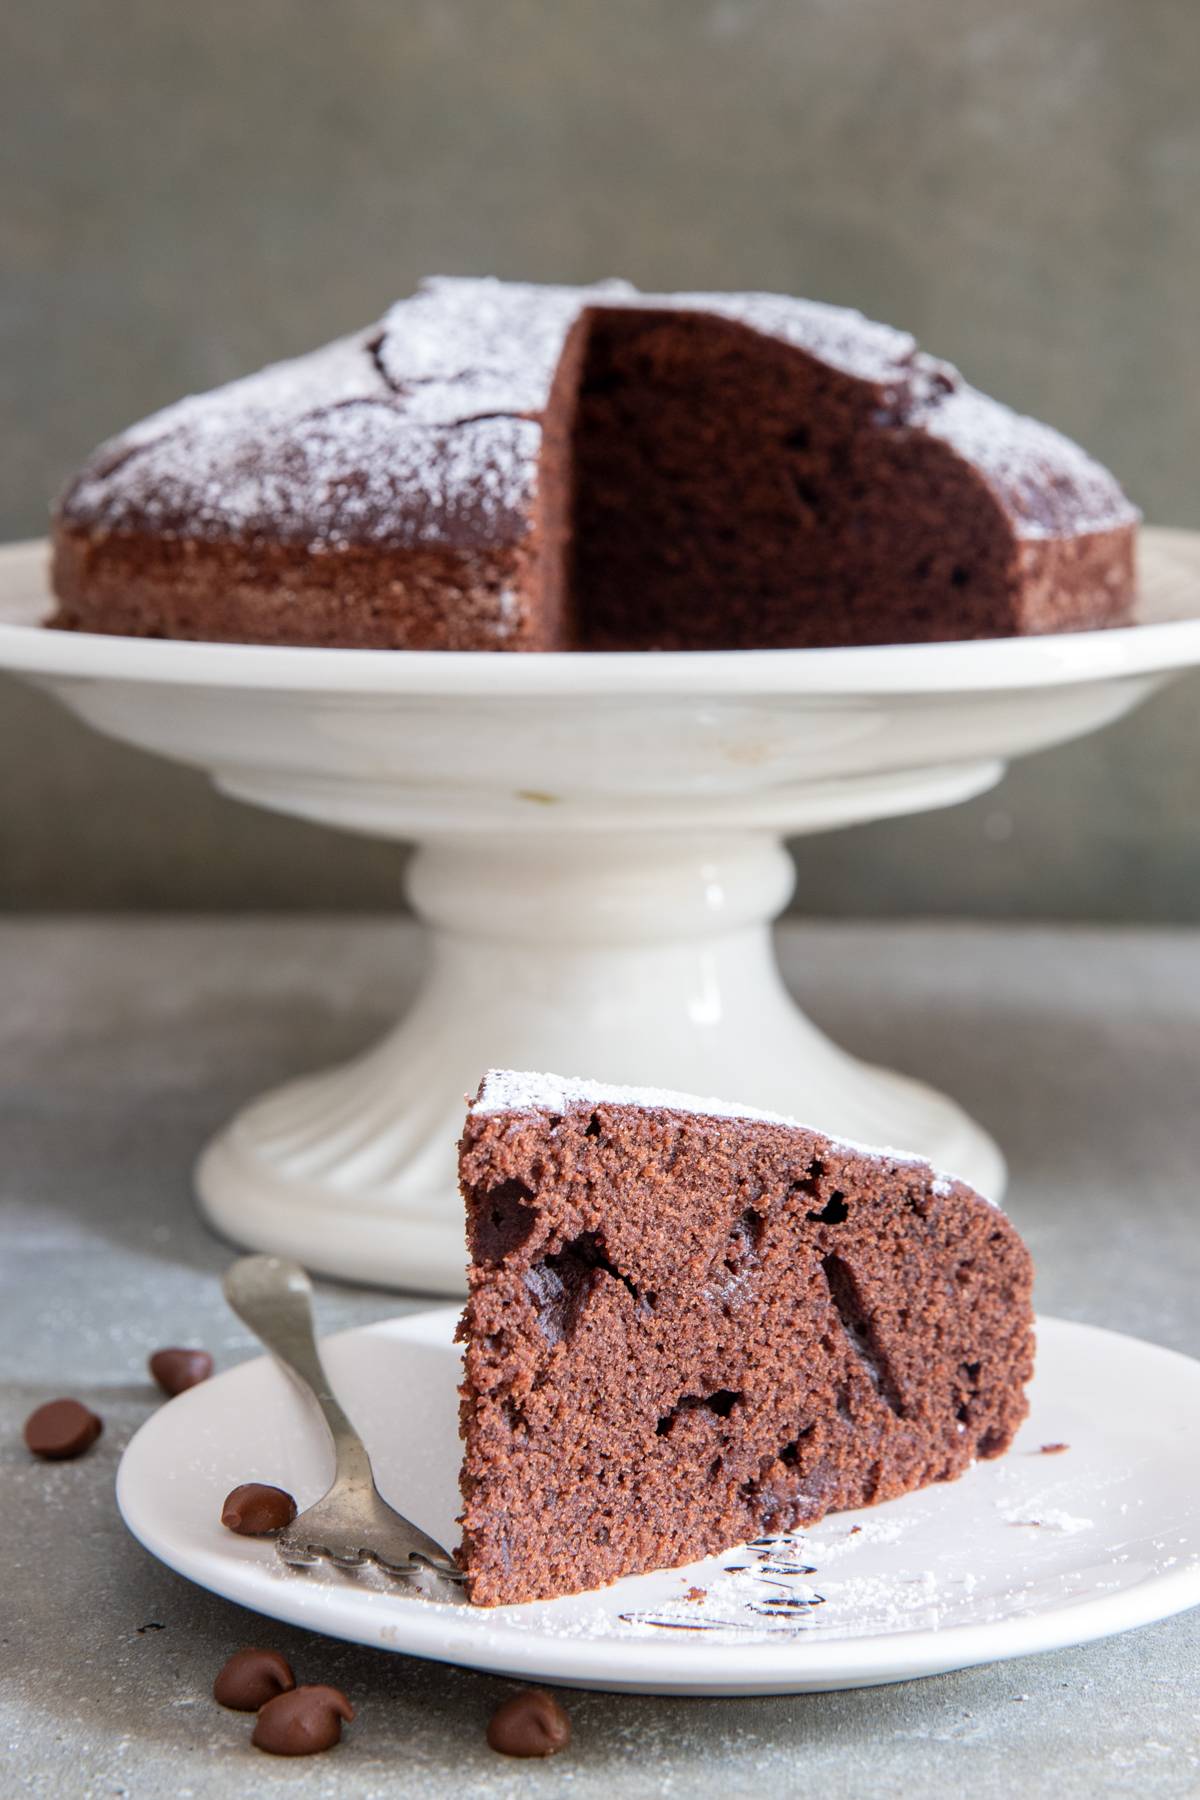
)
(352, 1524)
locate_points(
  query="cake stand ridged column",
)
(644, 959)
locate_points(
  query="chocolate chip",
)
(255, 1510)
(174, 1370)
(61, 1429)
(252, 1677)
(302, 1722)
(532, 1723)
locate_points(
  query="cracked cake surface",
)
(501, 465)
(690, 1324)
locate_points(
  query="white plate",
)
(1032, 1552)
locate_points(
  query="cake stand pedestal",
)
(629, 960)
(601, 856)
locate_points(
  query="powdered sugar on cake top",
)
(524, 1091)
(460, 347)
(426, 427)
(319, 451)
(1050, 486)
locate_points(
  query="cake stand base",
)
(620, 959)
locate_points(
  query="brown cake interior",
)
(684, 1331)
(729, 491)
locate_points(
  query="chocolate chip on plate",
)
(532, 1723)
(61, 1429)
(256, 1510)
(252, 1677)
(302, 1722)
(175, 1369)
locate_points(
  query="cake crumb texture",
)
(685, 1331)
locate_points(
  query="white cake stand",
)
(600, 858)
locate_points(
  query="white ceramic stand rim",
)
(1166, 635)
(600, 860)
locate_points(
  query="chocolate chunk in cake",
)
(501, 466)
(690, 1324)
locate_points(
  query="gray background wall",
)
(192, 190)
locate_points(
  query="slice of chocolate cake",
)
(691, 1323)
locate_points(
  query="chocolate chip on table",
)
(302, 1722)
(61, 1429)
(252, 1677)
(176, 1370)
(256, 1510)
(532, 1723)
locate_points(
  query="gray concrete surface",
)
(191, 191)
(124, 1043)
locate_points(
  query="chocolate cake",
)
(691, 1324)
(501, 466)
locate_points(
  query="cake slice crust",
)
(689, 1325)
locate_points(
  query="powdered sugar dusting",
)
(426, 427)
(1049, 1518)
(493, 346)
(523, 1091)
(329, 376)
(318, 451)
(838, 335)
(459, 348)
(1050, 486)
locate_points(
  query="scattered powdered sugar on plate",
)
(1051, 1518)
(781, 1585)
(774, 1587)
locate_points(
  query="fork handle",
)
(273, 1296)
